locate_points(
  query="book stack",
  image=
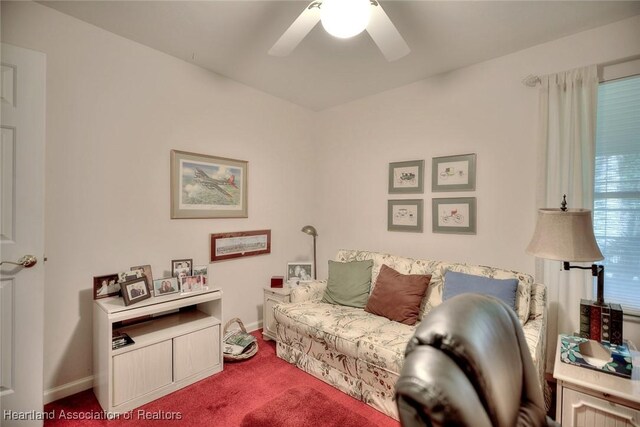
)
(601, 322)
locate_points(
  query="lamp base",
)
(601, 321)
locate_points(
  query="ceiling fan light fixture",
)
(345, 18)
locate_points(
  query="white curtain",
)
(566, 165)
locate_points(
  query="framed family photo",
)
(240, 244)
(135, 291)
(181, 267)
(191, 284)
(166, 286)
(299, 272)
(454, 173)
(406, 177)
(146, 270)
(105, 286)
(205, 186)
(405, 215)
(455, 215)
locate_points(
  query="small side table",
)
(272, 296)
(588, 398)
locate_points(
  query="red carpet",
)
(303, 406)
(242, 390)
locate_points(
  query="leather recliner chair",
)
(468, 364)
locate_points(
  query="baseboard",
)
(68, 389)
(86, 383)
(254, 326)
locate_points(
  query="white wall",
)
(483, 109)
(115, 109)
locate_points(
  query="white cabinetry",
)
(177, 342)
(588, 398)
(272, 296)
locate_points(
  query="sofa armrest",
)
(312, 291)
(536, 334)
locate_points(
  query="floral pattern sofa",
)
(361, 353)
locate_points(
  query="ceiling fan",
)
(345, 18)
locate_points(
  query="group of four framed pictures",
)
(455, 215)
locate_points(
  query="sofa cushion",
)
(398, 296)
(460, 283)
(398, 263)
(438, 269)
(339, 326)
(349, 283)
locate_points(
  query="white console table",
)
(178, 343)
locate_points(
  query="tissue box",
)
(620, 364)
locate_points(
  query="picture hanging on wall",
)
(455, 215)
(240, 244)
(454, 173)
(405, 215)
(406, 177)
(205, 186)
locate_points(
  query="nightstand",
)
(272, 296)
(588, 398)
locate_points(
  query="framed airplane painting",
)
(205, 186)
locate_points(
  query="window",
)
(617, 189)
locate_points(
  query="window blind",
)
(616, 211)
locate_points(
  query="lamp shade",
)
(565, 236)
(310, 230)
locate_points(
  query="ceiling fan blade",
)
(385, 34)
(297, 31)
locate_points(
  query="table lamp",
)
(567, 235)
(310, 230)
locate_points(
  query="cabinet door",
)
(141, 371)
(269, 321)
(195, 352)
(583, 410)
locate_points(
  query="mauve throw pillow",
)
(398, 296)
(459, 283)
(349, 283)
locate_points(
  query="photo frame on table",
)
(146, 270)
(406, 177)
(191, 284)
(454, 215)
(453, 173)
(405, 215)
(299, 272)
(181, 267)
(135, 291)
(240, 244)
(166, 286)
(202, 270)
(125, 276)
(204, 186)
(105, 286)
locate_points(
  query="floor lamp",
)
(310, 230)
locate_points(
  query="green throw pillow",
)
(349, 283)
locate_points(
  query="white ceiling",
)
(232, 38)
